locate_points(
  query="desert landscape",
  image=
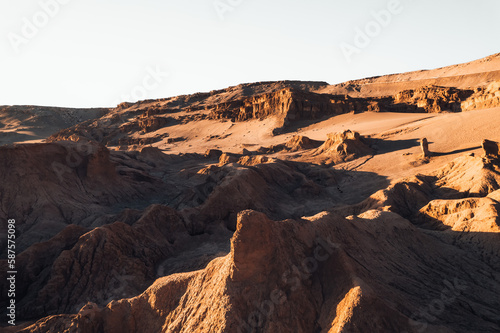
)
(290, 206)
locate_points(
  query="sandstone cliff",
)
(483, 98)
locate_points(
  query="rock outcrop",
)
(227, 158)
(491, 150)
(424, 146)
(342, 147)
(299, 142)
(430, 99)
(483, 98)
(108, 263)
(213, 153)
(287, 106)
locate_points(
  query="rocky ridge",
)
(139, 124)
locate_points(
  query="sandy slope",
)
(449, 134)
(234, 137)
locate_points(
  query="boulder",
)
(491, 149)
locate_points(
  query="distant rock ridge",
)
(136, 124)
(290, 105)
(31, 114)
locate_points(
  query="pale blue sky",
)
(100, 52)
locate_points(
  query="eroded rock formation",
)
(299, 142)
(491, 150)
(431, 99)
(343, 146)
(483, 98)
(287, 105)
(424, 146)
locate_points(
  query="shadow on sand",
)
(457, 151)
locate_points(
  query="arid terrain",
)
(264, 207)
